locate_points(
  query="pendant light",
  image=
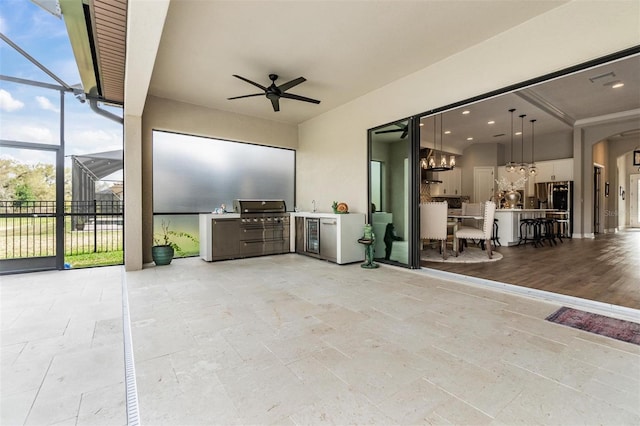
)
(522, 168)
(511, 166)
(532, 168)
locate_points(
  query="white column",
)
(133, 192)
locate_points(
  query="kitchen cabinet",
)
(554, 170)
(339, 235)
(329, 238)
(219, 236)
(451, 183)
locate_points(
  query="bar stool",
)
(529, 232)
(495, 237)
(547, 230)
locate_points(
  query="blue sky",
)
(31, 114)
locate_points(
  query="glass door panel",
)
(28, 210)
(389, 186)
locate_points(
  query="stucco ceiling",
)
(343, 48)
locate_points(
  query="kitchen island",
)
(509, 222)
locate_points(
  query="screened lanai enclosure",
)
(61, 198)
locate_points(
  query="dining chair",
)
(433, 223)
(471, 209)
(483, 232)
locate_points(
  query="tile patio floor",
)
(293, 340)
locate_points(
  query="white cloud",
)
(85, 141)
(8, 103)
(46, 104)
(3, 25)
(27, 133)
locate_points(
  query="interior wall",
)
(179, 117)
(380, 152)
(620, 148)
(586, 136)
(478, 155)
(333, 147)
(547, 147)
(600, 156)
(398, 153)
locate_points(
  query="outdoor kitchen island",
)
(328, 236)
(256, 228)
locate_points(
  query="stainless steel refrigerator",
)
(558, 196)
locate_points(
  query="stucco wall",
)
(333, 147)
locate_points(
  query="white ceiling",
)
(343, 48)
(555, 105)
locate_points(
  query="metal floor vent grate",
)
(133, 417)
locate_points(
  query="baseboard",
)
(585, 235)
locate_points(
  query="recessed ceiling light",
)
(617, 85)
(421, 124)
(447, 132)
(491, 122)
(465, 112)
(469, 138)
(518, 133)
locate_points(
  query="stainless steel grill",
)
(264, 227)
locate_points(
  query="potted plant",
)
(164, 247)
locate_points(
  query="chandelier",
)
(431, 163)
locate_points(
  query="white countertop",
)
(526, 210)
(319, 214)
(221, 215)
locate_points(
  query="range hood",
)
(427, 177)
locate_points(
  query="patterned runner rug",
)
(626, 331)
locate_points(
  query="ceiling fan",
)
(404, 128)
(274, 93)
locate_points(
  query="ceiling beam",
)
(538, 101)
(143, 40)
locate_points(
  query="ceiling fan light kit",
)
(274, 93)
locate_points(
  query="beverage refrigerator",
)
(557, 196)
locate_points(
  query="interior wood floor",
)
(604, 269)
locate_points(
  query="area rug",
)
(468, 255)
(626, 331)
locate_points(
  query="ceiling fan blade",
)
(246, 96)
(276, 104)
(250, 82)
(299, 98)
(286, 86)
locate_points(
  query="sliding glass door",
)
(393, 193)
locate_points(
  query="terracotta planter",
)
(162, 255)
